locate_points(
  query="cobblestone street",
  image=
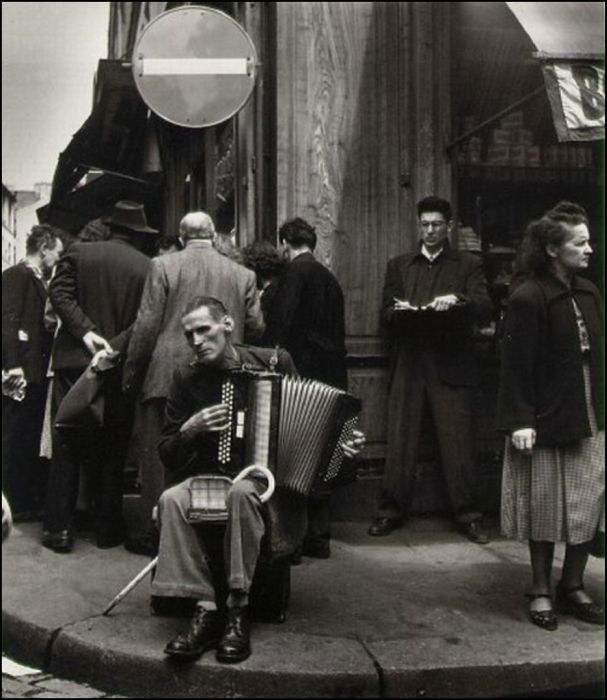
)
(42, 685)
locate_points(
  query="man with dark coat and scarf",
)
(431, 300)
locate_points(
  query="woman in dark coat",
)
(549, 405)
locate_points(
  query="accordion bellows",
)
(292, 426)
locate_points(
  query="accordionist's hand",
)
(354, 446)
(211, 419)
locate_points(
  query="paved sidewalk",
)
(422, 612)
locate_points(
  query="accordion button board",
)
(224, 450)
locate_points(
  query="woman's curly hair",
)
(263, 258)
(532, 259)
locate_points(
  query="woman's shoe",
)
(546, 619)
(586, 611)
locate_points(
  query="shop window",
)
(514, 169)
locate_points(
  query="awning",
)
(96, 198)
(570, 38)
(563, 29)
(111, 139)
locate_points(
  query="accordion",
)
(292, 426)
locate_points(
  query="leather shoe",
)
(235, 644)
(585, 611)
(475, 532)
(545, 619)
(384, 526)
(204, 633)
(62, 541)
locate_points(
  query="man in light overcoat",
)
(158, 345)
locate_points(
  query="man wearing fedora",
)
(96, 294)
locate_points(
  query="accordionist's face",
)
(207, 336)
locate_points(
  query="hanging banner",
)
(576, 91)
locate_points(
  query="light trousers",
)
(185, 569)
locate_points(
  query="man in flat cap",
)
(96, 294)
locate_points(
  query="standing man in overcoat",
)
(158, 344)
(307, 318)
(96, 293)
(26, 351)
(431, 300)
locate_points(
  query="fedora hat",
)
(129, 215)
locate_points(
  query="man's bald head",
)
(197, 224)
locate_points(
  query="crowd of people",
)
(180, 321)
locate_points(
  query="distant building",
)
(28, 201)
(9, 228)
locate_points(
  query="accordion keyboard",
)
(337, 458)
(224, 453)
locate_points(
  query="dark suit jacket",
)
(542, 380)
(97, 287)
(445, 334)
(307, 318)
(25, 341)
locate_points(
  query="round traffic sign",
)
(194, 66)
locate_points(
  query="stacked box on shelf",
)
(514, 120)
(468, 239)
(521, 137)
(498, 155)
(501, 137)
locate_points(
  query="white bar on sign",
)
(194, 66)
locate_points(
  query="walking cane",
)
(129, 587)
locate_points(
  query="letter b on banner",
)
(591, 83)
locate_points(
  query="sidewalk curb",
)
(284, 665)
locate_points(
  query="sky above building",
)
(50, 52)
